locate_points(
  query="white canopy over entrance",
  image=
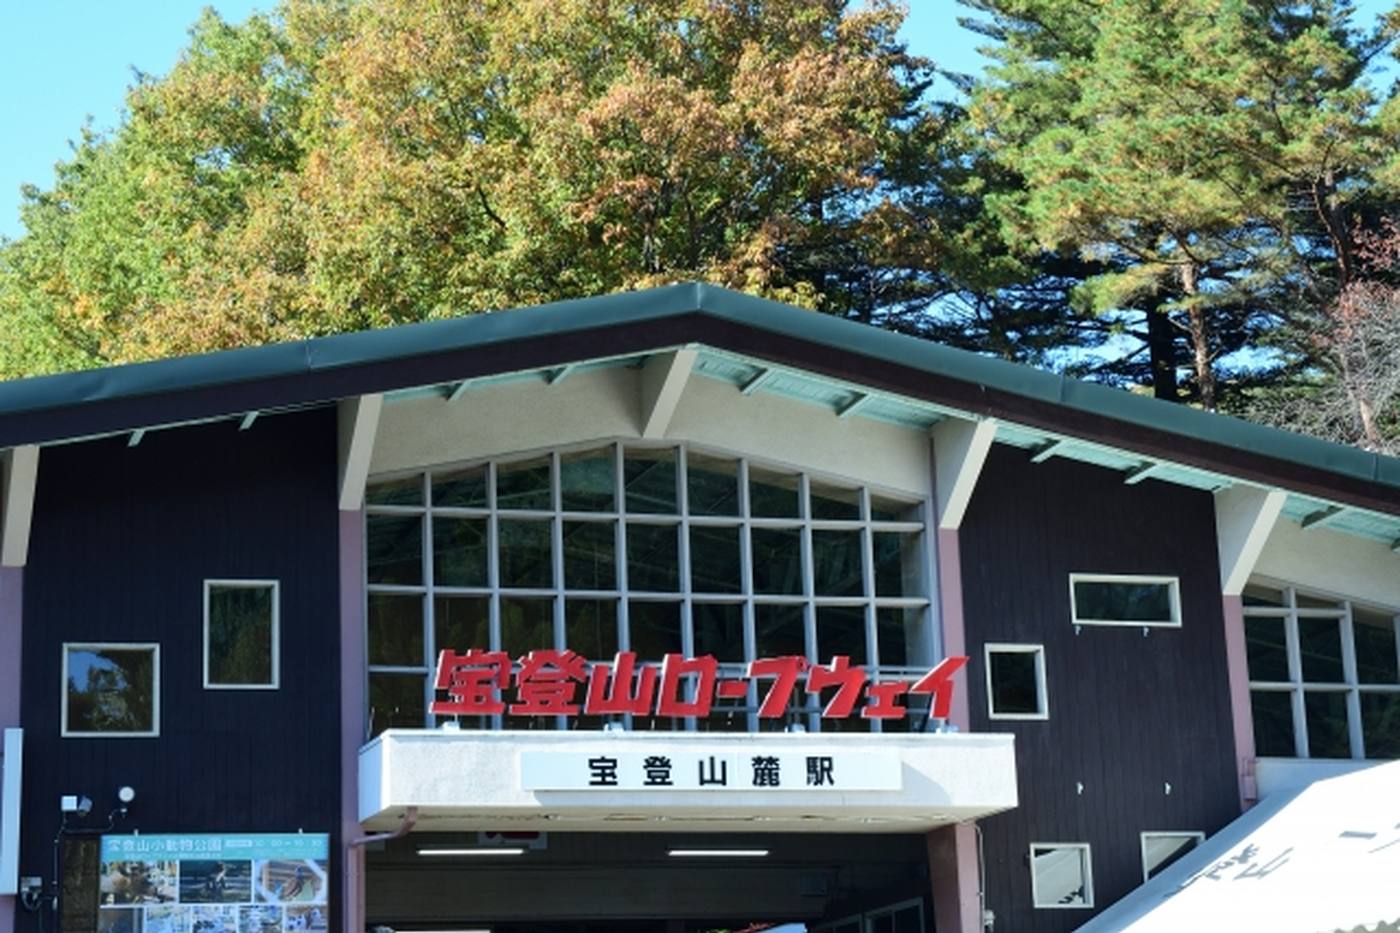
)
(1319, 859)
(684, 781)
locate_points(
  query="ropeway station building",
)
(675, 610)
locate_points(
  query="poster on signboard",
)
(214, 883)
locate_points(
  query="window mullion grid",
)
(624, 627)
(429, 653)
(746, 588)
(1349, 674)
(809, 585)
(683, 554)
(867, 571)
(556, 537)
(1295, 675)
(493, 569)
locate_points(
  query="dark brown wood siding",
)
(1129, 714)
(123, 538)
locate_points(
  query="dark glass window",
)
(834, 503)
(1273, 723)
(1015, 682)
(526, 554)
(111, 689)
(836, 563)
(459, 551)
(1266, 646)
(653, 557)
(395, 702)
(241, 637)
(649, 477)
(523, 484)
(898, 563)
(1376, 661)
(892, 629)
(406, 491)
(394, 549)
(460, 489)
(779, 631)
(526, 625)
(461, 623)
(777, 561)
(590, 555)
(1380, 724)
(714, 559)
(771, 494)
(586, 481)
(1326, 713)
(590, 628)
(841, 630)
(1123, 601)
(719, 630)
(1320, 646)
(712, 484)
(395, 630)
(654, 629)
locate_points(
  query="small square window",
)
(240, 634)
(1110, 599)
(1159, 850)
(1061, 875)
(1016, 682)
(111, 690)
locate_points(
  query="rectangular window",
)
(1159, 850)
(1016, 682)
(241, 634)
(1061, 875)
(1324, 674)
(111, 690)
(1116, 599)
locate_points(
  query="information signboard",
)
(214, 883)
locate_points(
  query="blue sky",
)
(66, 60)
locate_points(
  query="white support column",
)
(21, 472)
(959, 450)
(359, 422)
(1244, 516)
(663, 379)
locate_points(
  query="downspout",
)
(406, 824)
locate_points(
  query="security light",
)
(75, 803)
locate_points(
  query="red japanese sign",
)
(547, 683)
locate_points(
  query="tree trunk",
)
(1200, 338)
(1161, 350)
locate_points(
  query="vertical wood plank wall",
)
(1128, 714)
(123, 539)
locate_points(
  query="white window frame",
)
(247, 584)
(1143, 837)
(153, 647)
(1041, 689)
(1087, 861)
(1173, 585)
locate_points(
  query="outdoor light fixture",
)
(75, 803)
(718, 853)
(125, 794)
(485, 850)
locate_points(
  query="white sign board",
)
(809, 770)
(10, 781)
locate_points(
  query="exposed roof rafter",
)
(1046, 451)
(1322, 516)
(854, 405)
(1140, 473)
(757, 381)
(248, 420)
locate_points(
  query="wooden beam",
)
(1321, 517)
(359, 423)
(1139, 473)
(1395, 546)
(136, 437)
(854, 405)
(757, 381)
(1244, 516)
(960, 449)
(1046, 451)
(555, 376)
(248, 420)
(459, 390)
(664, 376)
(21, 474)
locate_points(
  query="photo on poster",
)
(306, 918)
(260, 919)
(119, 920)
(213, 919)
(166, 918)
(216, 882)
(292, 882)
(138, 882)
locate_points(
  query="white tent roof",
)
(1319, 859)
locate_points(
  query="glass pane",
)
(395, 630)
(654, 629)
(461, 623)
(779, 631)
(899, 559)
(834, 503)
(1317, 602)
(1320, 644)
(885, 509)
(712, 484)
(1267, 648)
(836, 563)
(777, 561)
(1257, 595)
(896, 629)
(394, 549)
(883, 923)
(590, 627)
(523, 484)
(1376, 661)
(1015, 687)
(1158, 852)
(653, 558)
(589, 549)
(586, 480)
(714, 560)
(1326, 713)
(111, 690)
(240, 634)
(649, 477)
(405, 491)
(1380, 724)
(841, 630)
(1060, 876)
(525, 554)
(526, 624)
(719, 630)
(909, 920)
(1122, 602)
(459, 551)
(1273, 723)
(460, 489)
(396, 702)
(772, 495)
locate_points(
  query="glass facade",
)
(652, 549)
